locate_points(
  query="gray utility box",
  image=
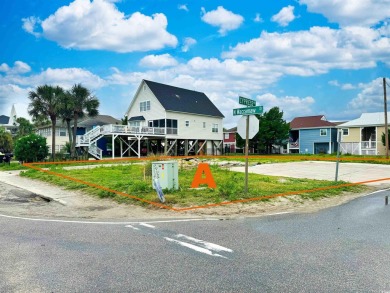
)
(167, 174)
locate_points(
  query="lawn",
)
(134, 178)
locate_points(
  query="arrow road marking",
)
(208, 245)
(194, 247)
(195, 244)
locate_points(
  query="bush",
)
(5, 141)
(31, 148)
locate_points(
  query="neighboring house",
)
(9, 122)
(61, 133)
(164, 119)
(229, 140)
(312, 135)
(83, 126)
(90, 123)
(362, 136)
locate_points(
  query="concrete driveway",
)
(350, 172)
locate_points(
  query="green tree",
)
(6, 143)
(45, 101)
(31, 148)
(25, 127)
(83, 104)
(66, 113)
(273, 129)
(125, 120)
(383, 138)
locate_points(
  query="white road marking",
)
(377, 191)
(147, 225)
(132, 227)
(280, 213)
(105, 223)
(194, 247)
(208, 245)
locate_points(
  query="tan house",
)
(363, 136)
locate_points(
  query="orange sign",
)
(203, 169)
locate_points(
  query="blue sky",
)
(307, 57)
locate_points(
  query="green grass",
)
(12, 166)
(135, 179)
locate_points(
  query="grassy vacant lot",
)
(134, 178)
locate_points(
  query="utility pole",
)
(386, 125)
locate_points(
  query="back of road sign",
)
(253, 126)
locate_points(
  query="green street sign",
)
(246, 102)
(248, 111)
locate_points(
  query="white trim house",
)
(163, 119)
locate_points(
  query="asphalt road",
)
(340, 249)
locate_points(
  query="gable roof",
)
(234, 129)
(98, 120)
(182, 100)
(4, 119)
(367, 119)
(310, 122)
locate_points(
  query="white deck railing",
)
(368, 145)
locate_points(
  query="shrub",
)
(31, 148)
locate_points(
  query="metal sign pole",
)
(246, 154)
(338, 154)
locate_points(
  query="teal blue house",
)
(312, 135)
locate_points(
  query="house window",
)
(323, 132)
(187, 123)
(134, 123)
(62, 132)
(345, 131)
(226, 135)
(144, 106)
(215, 128)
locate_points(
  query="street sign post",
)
(246, 102)
(251, 109)
(248, 110)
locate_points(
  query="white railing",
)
(368, 145)
(95, 151)
(94, 134)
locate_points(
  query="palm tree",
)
(83, 104)
(66, 113)
(45, 104)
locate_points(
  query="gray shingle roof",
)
(98, 120)
(182, 100)
(4, 119)
(137, 118)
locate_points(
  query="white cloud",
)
(291, 106)
(370, 99)
(30, 24)
(18, 68)
(12, 94)
(284, 16)
(351, 12)
(188, 43)
(158, 61)
(99, 25)
(222, 18)
(316, 51)
(183, 7)
(345, 86)
(258, 18)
